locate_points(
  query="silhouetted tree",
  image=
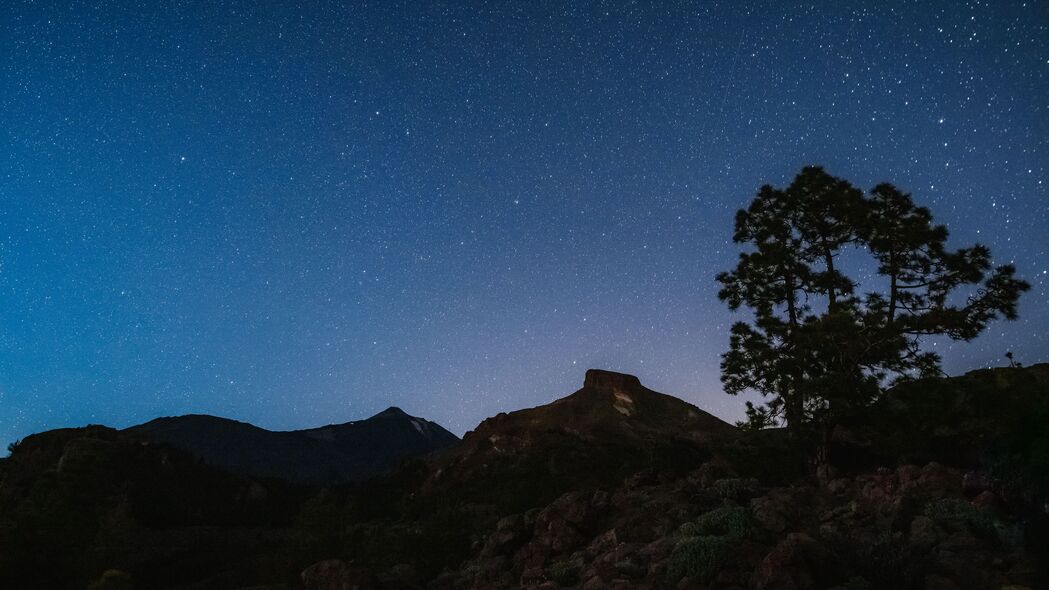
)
(814, 349)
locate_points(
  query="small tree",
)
(814, 348)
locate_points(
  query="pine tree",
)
(814, 349)
(771, 281)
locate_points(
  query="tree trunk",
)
(821, 457)
(893, 272)
(793, 400)
(832, 295)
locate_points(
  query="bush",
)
(959, 513)
(698, 557)
(565, 572)
(738, 489)
(731, 521)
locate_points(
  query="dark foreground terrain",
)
(944, 485)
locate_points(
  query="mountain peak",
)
(391, 412)
(601, 380)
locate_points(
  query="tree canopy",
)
(816, 349)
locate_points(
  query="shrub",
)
(953, 511)
(731, 521)
(565, 572)
(735, 488)
(698, 557)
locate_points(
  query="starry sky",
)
(300, 213)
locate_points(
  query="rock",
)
(494, 570)
(975, 482)
(779, 509)
(611, 381)
(987, 501)
(594, 583)
(940, 481)
(839, 486)
(603, 543)
(629, 568)
(657, 550)
(600, 501)
(967, 561)
(938, 582)
(562, 527)
(710, 472)
(335, 574)
(402, 576)
(924, 532)
(113, 580)
(792, 565)
(573, 507)
(907, 474)
(510, 533)
(532, 576)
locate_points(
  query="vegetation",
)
(735, 488)
(732, 521)
(565, 572)
(959, 513)
(698, 557)
(816, 348)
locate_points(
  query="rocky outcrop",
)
(335, 574)
(910, 527)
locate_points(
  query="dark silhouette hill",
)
(941, 485)
(612, 405)
(611, 427)
(329, 454)
(77, 501)
(617, 486)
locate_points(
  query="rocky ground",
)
(926, 526)
(736, 522)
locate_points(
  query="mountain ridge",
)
(333, 453)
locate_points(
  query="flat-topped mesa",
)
(611, 381)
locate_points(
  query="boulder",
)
(779, 510)
(335, 574)
(510, 533)
(793, 564)
(924, 533)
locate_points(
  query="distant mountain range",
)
(329, 454)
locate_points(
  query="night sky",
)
(295, 214)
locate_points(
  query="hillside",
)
(942, 485)
(77, 501)
(617, 487)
